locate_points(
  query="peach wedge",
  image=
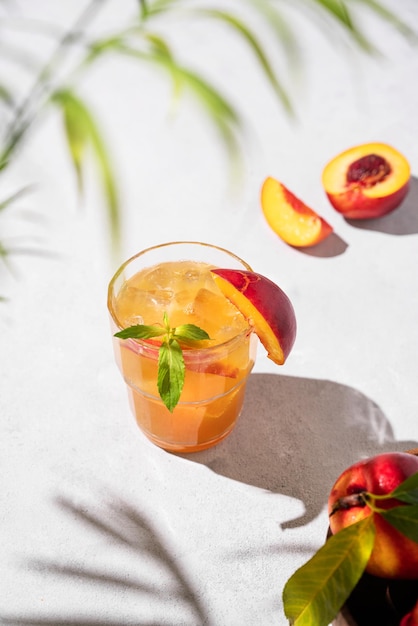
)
(264, 305)
(367, 181)
(292, 220)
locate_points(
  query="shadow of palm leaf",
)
(122, 526)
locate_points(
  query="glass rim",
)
(150, 348)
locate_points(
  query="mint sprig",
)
(315, 593)
(171, 368)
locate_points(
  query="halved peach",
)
(266, 307)
(291, 219)
(367, 181)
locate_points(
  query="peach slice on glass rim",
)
(266, 307)
(291, 219)
(367, 181)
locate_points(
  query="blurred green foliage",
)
(56, 83)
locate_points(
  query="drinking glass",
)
(174, 278)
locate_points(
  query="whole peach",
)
(393, 555)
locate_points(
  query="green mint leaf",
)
(171, 372)
(171, 368)
(404, 519)
(140, 331)
(190, 332)
(407, 491)
(166, 322)
(317, 591)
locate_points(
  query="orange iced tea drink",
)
(216, 370)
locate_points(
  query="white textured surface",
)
(97, 526)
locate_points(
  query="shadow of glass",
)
(296, 435)
(122, 525)
(401, 221)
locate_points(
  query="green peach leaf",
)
(407, 491)
(317, 591)
(404, 519)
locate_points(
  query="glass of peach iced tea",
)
(184, 339)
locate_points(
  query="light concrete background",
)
(98, 526)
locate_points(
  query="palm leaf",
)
(158, 7)
(14, 196)
(6, 96)
(283, 32)
(158, 44)
(391, 18)
(12, 144)
(82, 132)
(77, 133)
(220, 111)
(242, 29)
(102, 46)
(337, 10)
(5, 257)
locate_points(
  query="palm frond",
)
(240, 27)
(391, 18)
(339, 12)
(6, 96)
(158, 7)
(157, 52)
(82, 131)
(280, 27)
(219, 109)
(14, 196)
(343, 11)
